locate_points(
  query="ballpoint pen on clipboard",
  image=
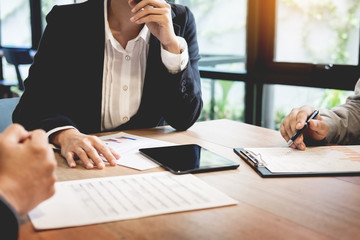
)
(300, 131)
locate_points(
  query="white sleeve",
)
(176, 62)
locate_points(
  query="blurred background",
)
(260, 58)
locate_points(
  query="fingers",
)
(115, 154)
(79, 154)
(299, 143)
(15, 133)
(109, 154)
(319, 129)
(145, 3)
(149, 18)
(39, 138)
(150, 14)
(156, 14)
(298, 117)
(289, 125)
(283, 129)
(100, 148)
(294, 121)
(89, 150)
(83, 156)
(149, 8)
(316, 130)
(70, 158)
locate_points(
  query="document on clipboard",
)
(314, 161)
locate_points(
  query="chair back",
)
(7, 106)
(18, 56)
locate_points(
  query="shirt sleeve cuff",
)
(52, 131)
(176, 63)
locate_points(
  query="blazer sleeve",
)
(183, 103)
(343, 120)
(9, 222)
(40, 106)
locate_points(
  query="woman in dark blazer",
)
(65, 83)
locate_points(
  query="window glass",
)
(279, 100)
(318, 31)
(221, 32)
(221, 29)
(15, 14)
(222, 99)
(46, 6)
(15, 25)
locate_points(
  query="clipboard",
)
(259, 167)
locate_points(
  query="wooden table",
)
(282, 208)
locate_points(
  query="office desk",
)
(283, 208)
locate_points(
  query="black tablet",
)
(190, 158)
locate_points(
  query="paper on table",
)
(127, 145)
(100, 200)
(313, 159)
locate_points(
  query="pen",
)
(300, 131)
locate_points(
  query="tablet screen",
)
(193, 158)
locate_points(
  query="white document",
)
(313, 159)
(128, 145)
(100, 200)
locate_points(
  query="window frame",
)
(297, 74)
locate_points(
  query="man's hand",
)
(27, 165)
(75, 145)
(156, 14)
(317, 129)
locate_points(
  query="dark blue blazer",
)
(64, 86)
(9, 221)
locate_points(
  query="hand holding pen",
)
(300, 131)
(303, 122)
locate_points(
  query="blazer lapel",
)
(93, 30)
